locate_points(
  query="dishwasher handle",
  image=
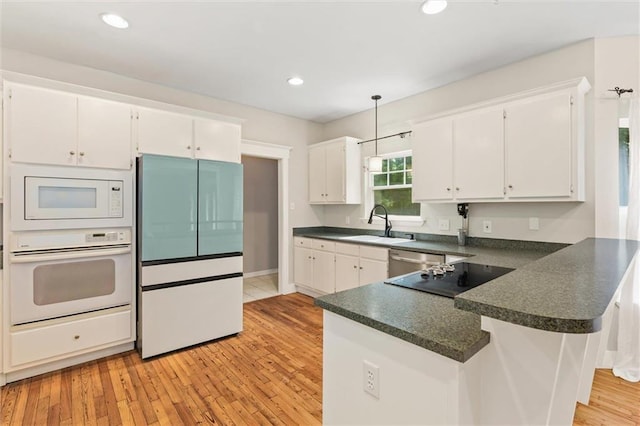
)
(415, 261)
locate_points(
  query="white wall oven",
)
(50, 197)
(56, 274)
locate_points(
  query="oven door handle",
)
(70, 255)
(417, 262)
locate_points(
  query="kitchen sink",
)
(376, 239)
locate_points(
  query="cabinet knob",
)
(355, 267)
(188, 146)
(448, 189)
(510, 186)
(81, 154)
(198, 149)
(76, 337)
(72, 153)
(361, 267)
(457, 189)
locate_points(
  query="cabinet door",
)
(372, 271)
(538, 145)
(104, 133)
(324, 271)
(478, 154)
(303, 266)
(42, 125)
(335, 172)
(347, 272)
(169, 215)
(164, 133)
(432, 146)
(215, 140)
(219, 207)
(317, 174)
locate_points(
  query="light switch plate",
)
(534, 223)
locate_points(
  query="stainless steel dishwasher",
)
(403, 262)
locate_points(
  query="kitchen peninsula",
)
(516, 350)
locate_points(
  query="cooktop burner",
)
(449, 280)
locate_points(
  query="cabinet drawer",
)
(324, 245)
(375, 253)
(302, 242)
(351, 249)
(68, 338)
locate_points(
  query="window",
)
(392, 186)
(623, 152)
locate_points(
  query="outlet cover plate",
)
(371, 378)
(486, 226)
(443, 224)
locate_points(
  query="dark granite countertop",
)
(567, 291)
(563, 291)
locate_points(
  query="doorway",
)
(255, 152)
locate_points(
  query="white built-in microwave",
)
(50, 197)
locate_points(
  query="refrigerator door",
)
(168, 209)
(220, 207)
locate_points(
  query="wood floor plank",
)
(271, 373)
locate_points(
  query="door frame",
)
(281, 153)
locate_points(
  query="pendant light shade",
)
(375, 162)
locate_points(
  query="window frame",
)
(369, 197)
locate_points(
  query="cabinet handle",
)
(72, 153)
(76, 337)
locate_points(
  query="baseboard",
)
(259, 273)
(308, 291)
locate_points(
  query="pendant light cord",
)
(376, 98)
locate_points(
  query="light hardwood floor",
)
(270, 374)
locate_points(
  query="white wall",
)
(559, 222)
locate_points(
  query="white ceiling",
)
(346, 51)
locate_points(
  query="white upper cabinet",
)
(179, 135)
(104, 133)
(432, 146)
(335, 172)
(41, 125)
(53, 127)
(216, 140)
(478, 155)
(538, 140)
(164, 133)
(525, 147)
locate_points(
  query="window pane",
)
(380, 179)
(409, 178)
(396, 178)
(623, 160)
(396, 164)
(397, 201)
(385, 166)
(409, 165)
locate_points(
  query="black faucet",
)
(387, 222)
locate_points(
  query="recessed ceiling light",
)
(431, 7)
(114, 20)
(295, 81)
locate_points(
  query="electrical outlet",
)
(443, 224)
(534, 223)
(371, 378)
(486, 226)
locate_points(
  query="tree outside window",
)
(392, 186)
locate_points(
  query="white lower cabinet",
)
(360, 265)
(325, 266)
(31, 343)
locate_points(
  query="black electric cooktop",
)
(449, 283)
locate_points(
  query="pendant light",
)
(375, 162)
